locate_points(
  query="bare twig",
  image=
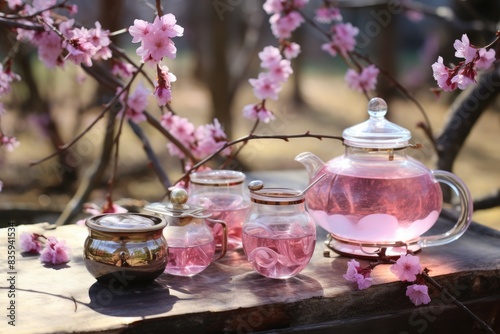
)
(249, 137)
(460, 305)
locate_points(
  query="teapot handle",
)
(224, 236)
(465, 217)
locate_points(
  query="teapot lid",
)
(376, 132)
(177, 206)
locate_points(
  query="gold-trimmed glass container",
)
(190, 240)
(279, 235)
(125, 248)
(222, 194)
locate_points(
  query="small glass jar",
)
(279, 235)
(191, 243)
(222, 194)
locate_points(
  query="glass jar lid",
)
(177, 206)
(274, 196)
(376, 132)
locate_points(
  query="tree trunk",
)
(465, 112)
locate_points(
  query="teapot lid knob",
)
(377, 107)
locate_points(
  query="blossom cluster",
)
(55, 251)
(285, 16)
(268, 84)
(276, 62)
(464, 73)
(156, 43)
(407, 269)
(342, 42)
(201, 141)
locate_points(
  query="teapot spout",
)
(312, 163)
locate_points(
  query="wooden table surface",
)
(230, 297)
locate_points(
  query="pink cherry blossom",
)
(486, 59)
(281, 70)
(182, 129)
(328, 14)
(256, 111)
(13, 4)
(209, 139)
(462, 81)
(273, 6)
(10, 143)
(6, 78)
(139, 30)
(283, 26)
(72, 9)
(364, 81)
(99, 38)
(358, 275)
(137, 103)
(344, 37)
(80, 49)
(441, 74)
(155, 47)
(30, 242)
(163, 90)
(265, 87)
(464, 49)
(291, 50)
(125, 70)
(49, 48)
(270, 56)
(418, 294)
(407, 267)
(155, 38)
(167, 26)
(55, 251)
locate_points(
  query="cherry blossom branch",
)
(249, 137)
(427, 126)
(154, 122)
(443, 290)
(32, 15)
(350, 60)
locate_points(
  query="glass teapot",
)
(375, 196)
(191, 243)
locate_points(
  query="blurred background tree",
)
(217, 55)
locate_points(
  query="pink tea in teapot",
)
(384, 208)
